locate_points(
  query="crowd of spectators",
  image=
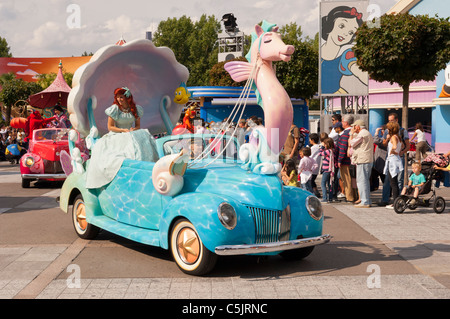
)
(12, 143)
(352, 162)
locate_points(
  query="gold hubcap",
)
(81, 216)
(188, 246)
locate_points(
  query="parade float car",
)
(220, 210)
(201, 196)
(42, 161)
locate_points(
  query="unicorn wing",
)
(239, 70)
(66, 162)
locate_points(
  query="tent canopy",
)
(56, 93)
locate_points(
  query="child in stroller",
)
(421, 183)
(416, 182)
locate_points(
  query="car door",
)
(131, 198)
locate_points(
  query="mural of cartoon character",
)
(340, 75)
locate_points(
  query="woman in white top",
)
(421, 145)
(394, 164)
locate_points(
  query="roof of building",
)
(403, 6)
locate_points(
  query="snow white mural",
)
(340, 75)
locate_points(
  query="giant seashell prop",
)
(151, 73)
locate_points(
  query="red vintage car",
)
(42, 161)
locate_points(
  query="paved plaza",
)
(421, 237)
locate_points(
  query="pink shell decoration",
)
(151, 73)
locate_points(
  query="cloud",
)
(15, 64)
(264, 4)
(39, 28)
(122, 24)
(28, 72)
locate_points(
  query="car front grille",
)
(52, 167)
(271, 225)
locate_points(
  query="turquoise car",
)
(220, 210)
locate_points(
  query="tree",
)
(174, 33)
(299, 76)
(4, 49)
(202, 49)
(193, 44)
(403, 49)
(16, 89)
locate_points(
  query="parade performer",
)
(187, 125)
(124, 140)
(35, 121)
(61, 119)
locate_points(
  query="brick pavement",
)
(421, 237)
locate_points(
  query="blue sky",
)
(54, 28)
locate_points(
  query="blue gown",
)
(113, 148)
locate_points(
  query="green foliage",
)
(299, 76)
(404, 49)
(46, 79)
(16, 89)
(4, 49)
(6, 77)
(192, 43)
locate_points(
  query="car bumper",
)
(44, 176)
(228, 250)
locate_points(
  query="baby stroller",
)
(431, 174)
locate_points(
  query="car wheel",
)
(297, 254)
(190, 255)
(439, 205)
(400, 204)
(82, 227)
(26, 183)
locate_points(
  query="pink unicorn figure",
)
(267, 47)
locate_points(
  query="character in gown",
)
(125, 140)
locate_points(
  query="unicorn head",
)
(268, 43)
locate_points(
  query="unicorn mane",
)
(266, 26)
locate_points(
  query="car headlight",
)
(29, 161)
(314, 207)
(227, 215)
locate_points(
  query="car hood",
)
(50, 151)
(231, 180)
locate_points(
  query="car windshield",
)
(53, 135)
(196, 144)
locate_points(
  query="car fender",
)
(74, 185)
(302, 223)
(201, 210)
